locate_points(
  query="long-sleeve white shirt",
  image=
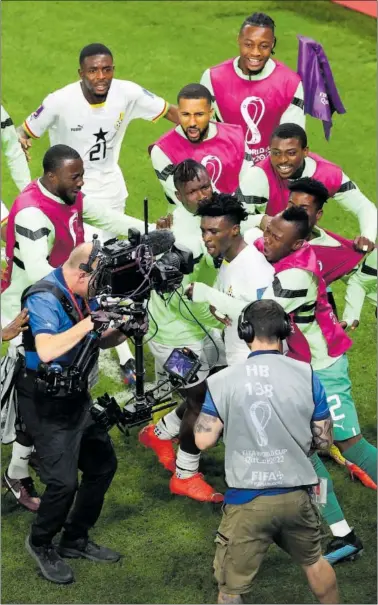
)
(362, 284)
(13, 152)
(35, 236)
(238, 283)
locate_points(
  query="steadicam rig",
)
(126, 273)
(122, 279)
(181, 366)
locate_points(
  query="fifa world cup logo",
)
(261, 413)
(213, 166)
(252, 110)
(72, 225)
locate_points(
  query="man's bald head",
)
(76, 272)
(79, 255)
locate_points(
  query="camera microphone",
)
(171, 259)
(160, 241)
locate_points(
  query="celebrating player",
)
(92, 116)
(219, 147)
(316, 338)
(291, 159)
(337, 255)
(185, 324)
(244, 271)
(254, 90)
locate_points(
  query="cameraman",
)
(272, 410)
(61, 427)
(45, 223)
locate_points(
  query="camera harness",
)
(54, 382)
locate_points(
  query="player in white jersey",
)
(92, 116)
(13, 152)
(244, 272)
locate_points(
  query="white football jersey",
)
(244, 278)
(96, 131)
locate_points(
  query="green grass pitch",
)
(168, 541)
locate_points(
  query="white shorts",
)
(210, 356)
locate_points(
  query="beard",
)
(203, 134)
(64, 197)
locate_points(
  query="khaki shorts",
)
(246, 531)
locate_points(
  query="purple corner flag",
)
(321, 98)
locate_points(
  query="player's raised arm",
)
(109, 219)
(362, 284)
(37, 123)
(164, 170)
(149, 106)
(172, 114)
(295, 112)
(14, 152)
(351, 198)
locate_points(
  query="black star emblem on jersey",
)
(100, 135)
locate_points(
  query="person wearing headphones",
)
(273, 411)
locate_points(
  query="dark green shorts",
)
(246, 531)
(338, 388)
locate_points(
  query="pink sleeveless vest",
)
(337, 340)
(327, 173)
(257, 105)
(334, 262)
(67, 221)
(221, 155)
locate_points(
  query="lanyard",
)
(74, 302)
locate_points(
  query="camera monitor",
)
(182, 364)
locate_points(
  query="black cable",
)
(155, 322)
(181, 298)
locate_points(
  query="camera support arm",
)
(137, 327)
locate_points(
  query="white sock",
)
(340, 529)
(18, 467)
(168, 427)
(124, 353)
(186, 464)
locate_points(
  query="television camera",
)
(123, 274)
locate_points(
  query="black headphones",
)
(96, 248)
(246, 330)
